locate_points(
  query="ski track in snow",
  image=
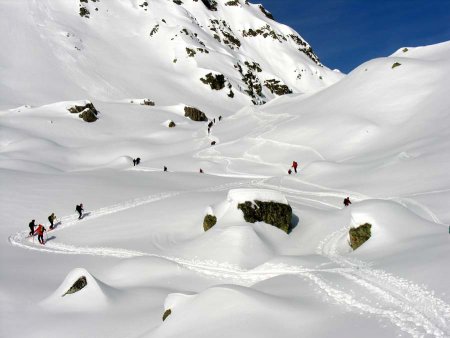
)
(412, 308)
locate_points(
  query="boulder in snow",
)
(209, 221)
(274, 213)
(195, 114)
(166, 314)
(359, 235)
(86, 111)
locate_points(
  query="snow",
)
(379, 136)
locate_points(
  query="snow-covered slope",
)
(379, 136)
(158, 49)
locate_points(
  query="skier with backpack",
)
(51, 219)
(32, 225)
(80, 210)
(347, 201)
(295, 165)
(40, 231)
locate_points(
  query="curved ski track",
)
(410, 307)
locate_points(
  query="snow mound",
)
(94, 296)
(263, 195)
(240, 246)
(226, 310)
(228, 210)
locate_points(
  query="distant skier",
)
(165, 168)
(51, 219)
(32, 225)
(295, 165)
(80, 210)
(213, 143)
(138, 161)
(134, 162)
(289, 171)
(214, 120)
(40, 231)
(347, 201)
(201, 171)
(210, 124)
(220, 118)
(209, 130)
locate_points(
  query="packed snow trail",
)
(417, 310)
(411, 308)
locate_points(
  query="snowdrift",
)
(94, 296)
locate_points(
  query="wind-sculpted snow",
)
(411, 307)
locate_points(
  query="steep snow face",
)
(111, 50)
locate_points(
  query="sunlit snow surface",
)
(380, 136)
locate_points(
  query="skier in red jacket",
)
(295, 165)
(40, 231)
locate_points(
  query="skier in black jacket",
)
(80, 210)
(32, 226)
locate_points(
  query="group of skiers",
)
(136, 161)
(213, 122)
(39, 229)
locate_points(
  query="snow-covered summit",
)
(230, 52)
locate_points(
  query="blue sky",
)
(346, 33)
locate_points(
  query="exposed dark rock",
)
(266, 12)
(87, 112)
(77, 286)
(216, 82)
(147, 102)
(359, 235)
(232, 3)
(274, 213)
(397, 64)
(172, 124)
(210, 4)
(195, 114)
(209, 221)
(166, 314)
(84, 12)
(190, 52)
(275, 87)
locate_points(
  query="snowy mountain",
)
(141, 262)
(230, 52)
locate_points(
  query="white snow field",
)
(379, 136)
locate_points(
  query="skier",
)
(80, 210)
(165, 168)
(347, 201)
(209, 130)
(294, 165)
(289, 171)
(138, 161)
(201, 171)
(32, 225)
(213, 143)
(40, 231)
(51, 219)
(134, 162)
(220, 118)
